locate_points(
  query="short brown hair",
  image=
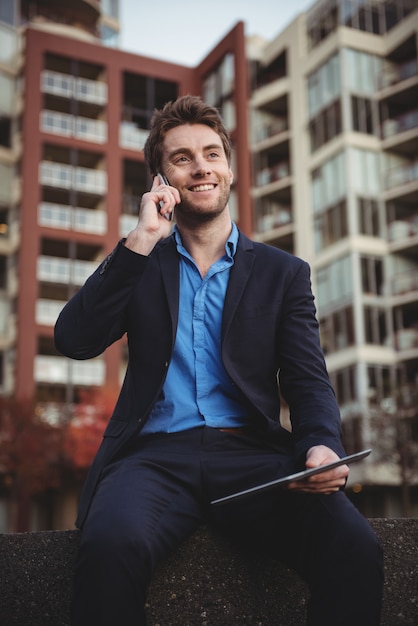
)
(184, 110)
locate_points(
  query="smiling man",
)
(214, 322)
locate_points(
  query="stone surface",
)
(206, 582)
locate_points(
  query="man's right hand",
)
(153, 224)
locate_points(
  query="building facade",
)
(324, 124)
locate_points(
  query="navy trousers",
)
(159, 492)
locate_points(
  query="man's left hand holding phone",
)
(154, 221)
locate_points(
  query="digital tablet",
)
(285, 480)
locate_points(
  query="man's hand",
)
(153, 225)
(325, 482)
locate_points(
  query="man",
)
(212, 319)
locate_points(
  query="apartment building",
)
(334, 141)
(324, 124)
(75, 114)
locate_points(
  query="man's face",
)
(194, 162)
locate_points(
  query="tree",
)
(30, 455)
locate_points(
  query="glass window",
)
(372, 275)
(6, 177)
(7, 12)
(335, 285)
(324, 85)
(375, 330)
(7, 90)
(110, 7)
(362, 71)
(329, 183)
(368, 216)
(364, 166)
(9, 43)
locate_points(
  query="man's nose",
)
(201, 166)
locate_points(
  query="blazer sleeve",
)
(303, 377)
(95, 316)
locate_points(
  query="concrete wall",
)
(205, 583)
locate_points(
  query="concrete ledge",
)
(205, 583)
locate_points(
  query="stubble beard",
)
(195, 213)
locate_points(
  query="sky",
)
(185, 31)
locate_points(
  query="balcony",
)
(7, 323)
(59, 370)
(406, 339)
(403, 232)
(47, 311)
(126, 224)
(268, 218)
(68, 177)
(132, 137)
(400, 124)
(64, 271)
(67, 86)
(401, 175)
(69, 218)
(405, 282)
(274, 173)
(66, 125)
(275, 127)
(394, 73)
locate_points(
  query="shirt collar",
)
(230, 246)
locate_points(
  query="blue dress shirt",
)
(198, 390)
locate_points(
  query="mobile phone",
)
(164, 181)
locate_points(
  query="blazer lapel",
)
(169, 264)
(240, 273)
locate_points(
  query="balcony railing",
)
(67, 177)
(268, 129)
(399, 230)
(400, 124)
(266, 221)
(47, 311)
(406, 339)
(72, 126)
(401, 175)
(68, 86)
(64, 271)
(393, 73)
(132, 137)
(53, 370)
(126, 224)
(271, 174)
(405, 282)
(68, 218)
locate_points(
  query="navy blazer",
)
(269, 334)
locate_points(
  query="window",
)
(368, 210)
(325, 126)
(375, 329)
(331, 226)
(219, 86)
(365, 172)
(337, 330)
(329, 203)
(372, 275)
(324, 90)
(335, 286)
(361, 115)
(344, 384)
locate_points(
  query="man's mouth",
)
(207, 187)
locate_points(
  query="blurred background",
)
(322, 108)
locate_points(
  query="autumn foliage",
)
(39, 455)
(84, 432)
